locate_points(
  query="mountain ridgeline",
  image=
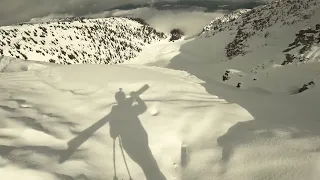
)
(255, 22)
(78, 40)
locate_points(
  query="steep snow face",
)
(78, 40)
(260, 21)
(272, 48)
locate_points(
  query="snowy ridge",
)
(219, 22)
(53, 19)
(78, 40)
(10, 64)
(255, 22)
(284, 11)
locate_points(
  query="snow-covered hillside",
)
(78, 40)
(272, 48)
(259, 21)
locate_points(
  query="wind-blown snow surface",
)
(55, 125)
(43, 108)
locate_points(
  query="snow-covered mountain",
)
(78, 40)
(259, 21)
(274, 47)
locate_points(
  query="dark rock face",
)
(306, 86)
(176, 34)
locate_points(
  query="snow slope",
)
(56, 122)
(43, 108)
(78, 40)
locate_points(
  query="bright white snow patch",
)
(42, 110)
(56, 122)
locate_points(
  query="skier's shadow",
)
(125, 124)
